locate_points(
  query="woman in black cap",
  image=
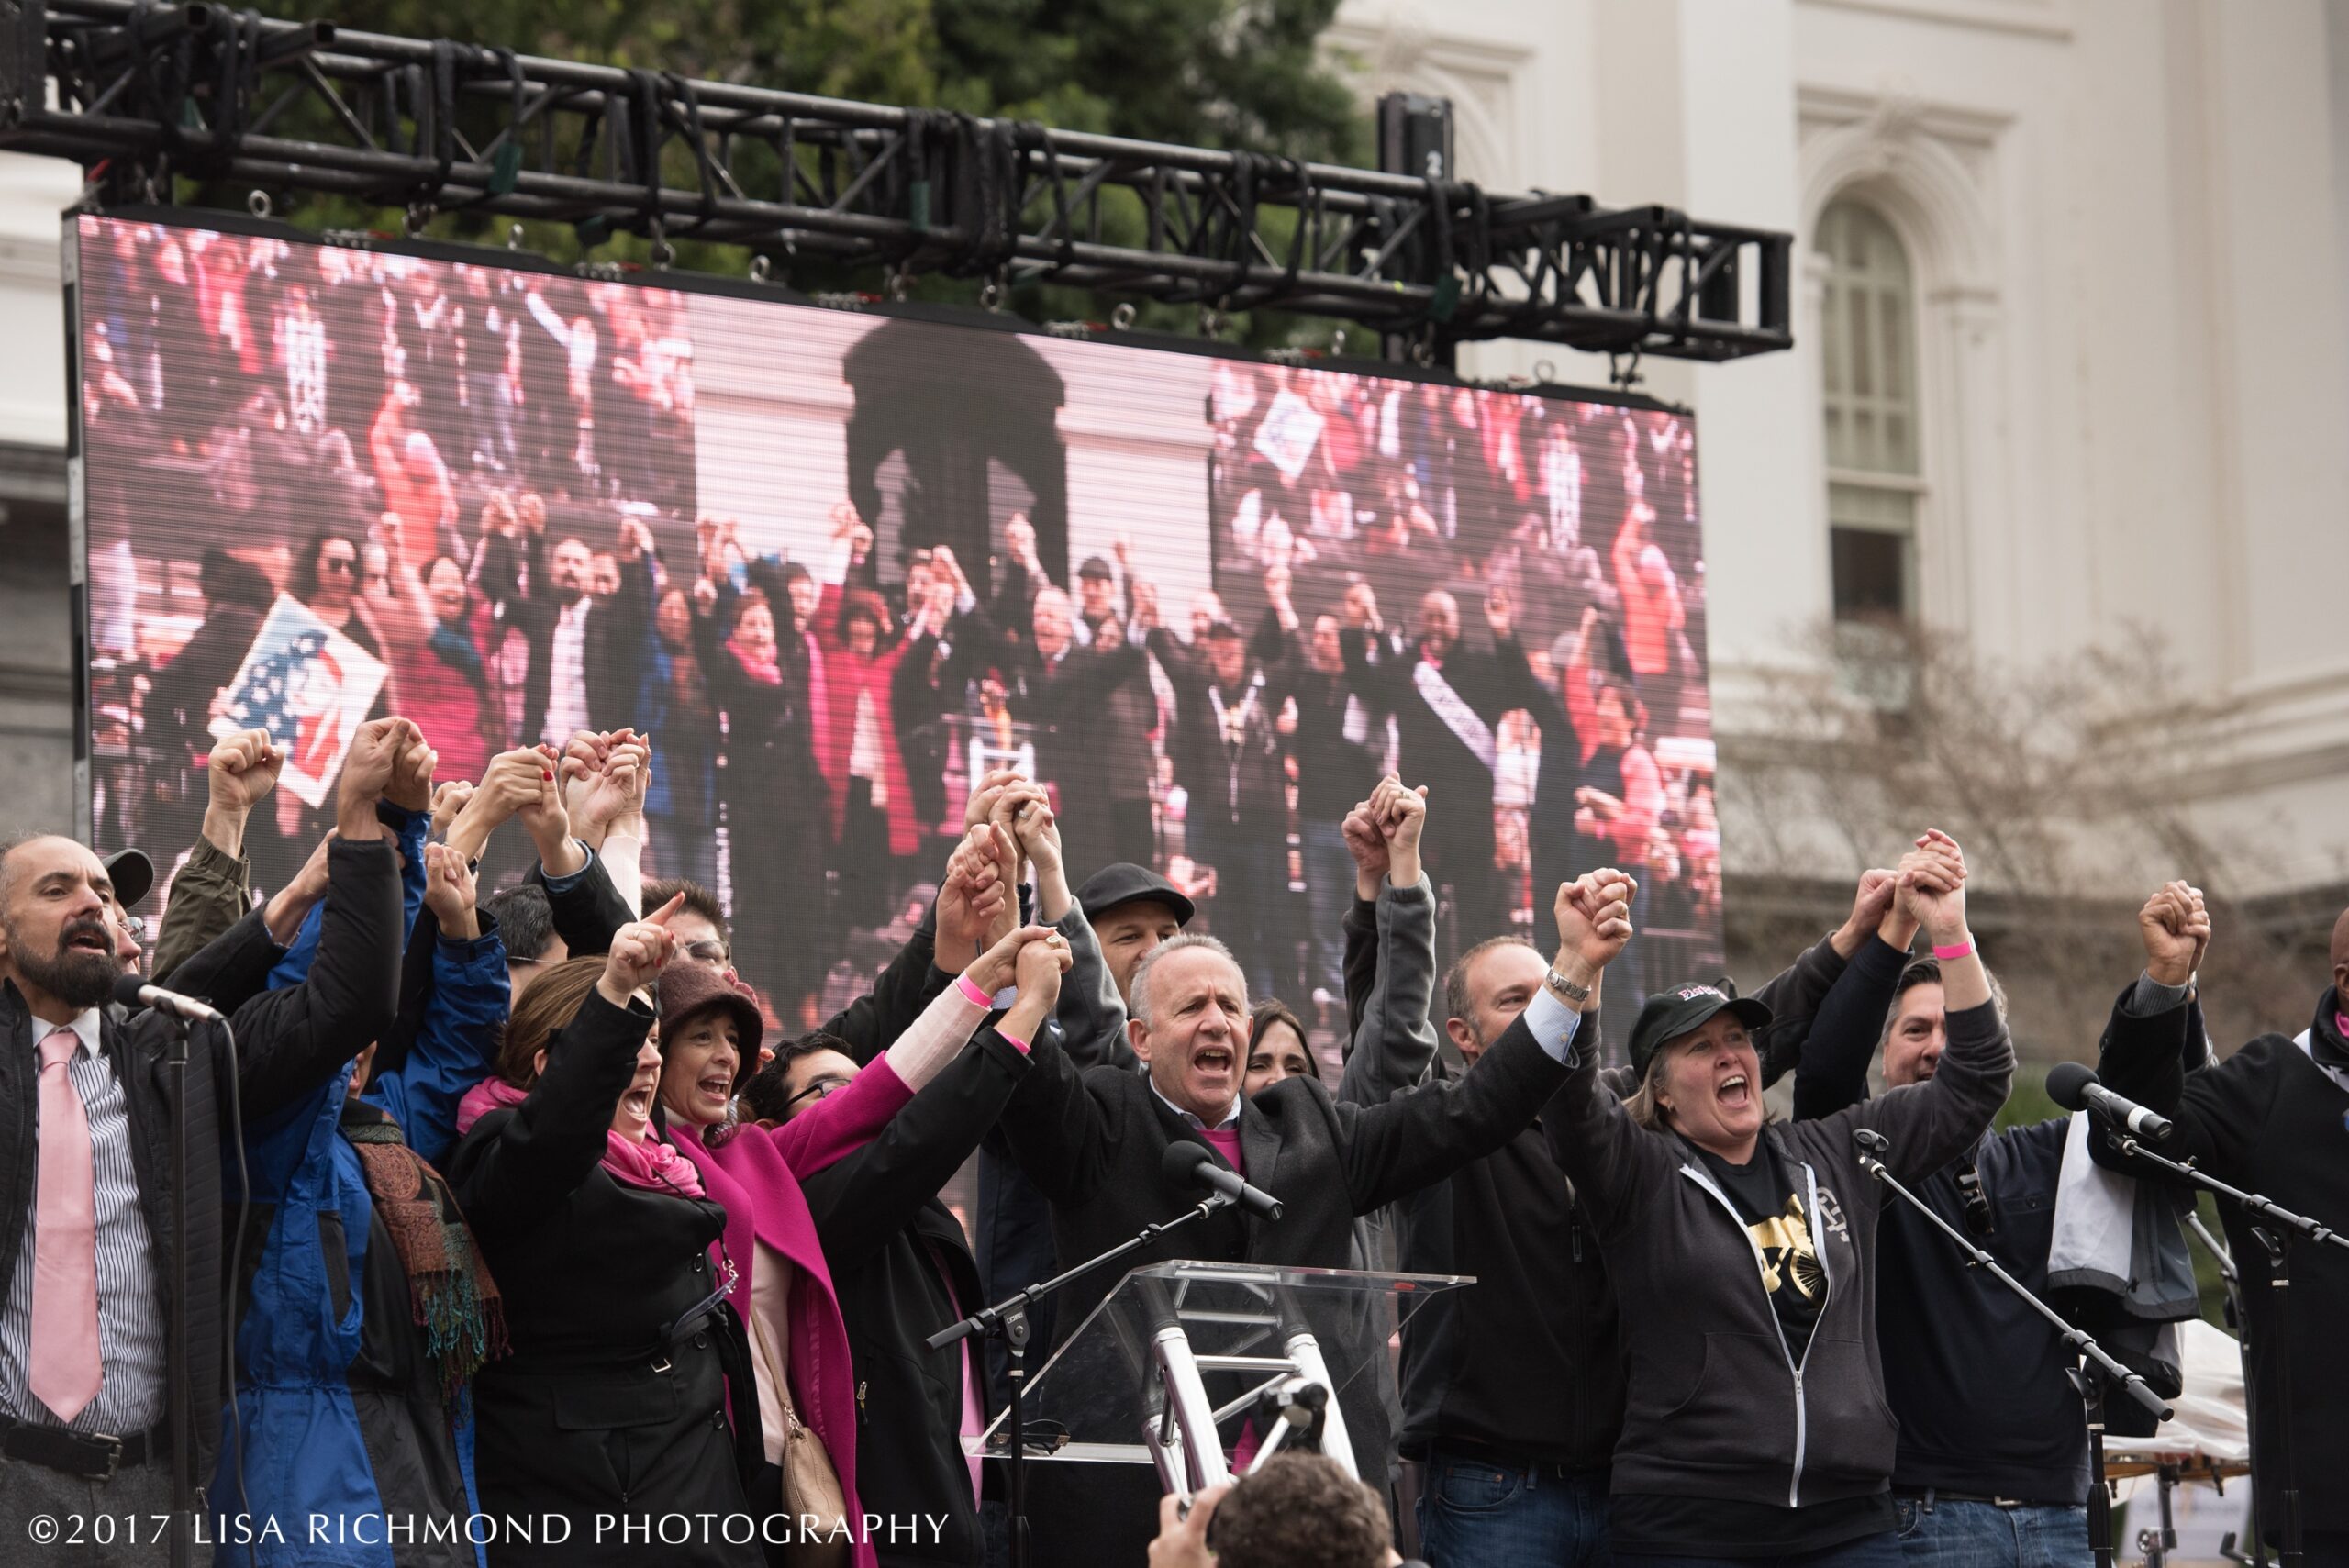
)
(1744, 1255)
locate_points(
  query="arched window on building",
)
(1869, 381)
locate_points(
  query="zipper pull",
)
(1573, 1234)
(859, 1396)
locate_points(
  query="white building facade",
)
(2089, 263)
(2073, 331)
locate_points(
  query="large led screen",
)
(837, 564)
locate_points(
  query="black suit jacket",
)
(1094, 1142)
(288, 1042)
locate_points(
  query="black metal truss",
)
(141, 93)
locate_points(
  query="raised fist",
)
(243, 768)
(450, 891)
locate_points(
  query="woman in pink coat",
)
(709, 1035)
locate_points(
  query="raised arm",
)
(875, 1192)
(289, 1042)
(1395, 1041)
(1932, 1123)
(2150, 1038)
(1417, 1138)
(212, 892)
(539, 1156)
(1837, 1044)
(1795, 993)
(456, 1038)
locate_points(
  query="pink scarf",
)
(647, 1161)
(760, 667)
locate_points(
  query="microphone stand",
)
(2277, 1244)
(1008, 1320)
(181, 1400)
(2090, 1388)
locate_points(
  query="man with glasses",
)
(700, 924)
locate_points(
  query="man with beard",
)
(86, 1107)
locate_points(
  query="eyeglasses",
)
(822, 1088)
(706, 953)
(340, 565)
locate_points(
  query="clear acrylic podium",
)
(1185, 1361)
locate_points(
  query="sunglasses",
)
(340, 565)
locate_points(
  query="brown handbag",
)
(820, 1527)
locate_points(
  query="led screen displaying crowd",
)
(838, 564)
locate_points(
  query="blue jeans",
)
(1329, 893)
(1868, 1551)
(1477, 1514)
(1983, 1535)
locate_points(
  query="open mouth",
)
(637, 1101)
(1735, 1093)
(90, 939)
(717, 1086)
(1213, 1058)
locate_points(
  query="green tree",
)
(1213, 72)
(1201, 73)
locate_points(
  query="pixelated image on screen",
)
(839, 564)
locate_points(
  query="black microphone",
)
(1189, 1165)
(2075, 1088)
(1872, 1140)
(133, 991)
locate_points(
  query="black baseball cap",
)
(1123, 881)
(1683, 1009)
(1095, 568)
(132, 873)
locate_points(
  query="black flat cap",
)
(1125, 883)
(133, 875)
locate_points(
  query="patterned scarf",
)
(455, 1299)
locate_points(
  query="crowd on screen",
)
(485, 478)
(527, 1220)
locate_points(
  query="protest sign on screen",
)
(310, 686)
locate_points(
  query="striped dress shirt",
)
(130, 1303)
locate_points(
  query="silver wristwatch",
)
(1567, 988)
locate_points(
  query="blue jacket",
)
(337, 1408)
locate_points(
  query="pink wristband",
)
(1963, 949)
(1017, 1043)
(971, 993)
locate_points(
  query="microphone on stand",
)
(1189, 1166)
(135, 993)
(2075, 1088)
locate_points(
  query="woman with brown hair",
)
(614, 1399)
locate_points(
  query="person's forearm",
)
(287, 910)
(1402, 868)
(1052, 897)
(1021, 1022)
(623, 853)
(560, 855)
(469, 834)
(224, 829)
(935, 1037)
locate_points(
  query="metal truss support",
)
(141, 93)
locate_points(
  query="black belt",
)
(94, 1456)
(1929, 1495)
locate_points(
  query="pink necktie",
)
(65, 1369)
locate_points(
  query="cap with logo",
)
(1684, 1009)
